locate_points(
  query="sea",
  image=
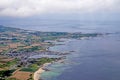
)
(96, 58)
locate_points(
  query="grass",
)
(8, 64)
(2, 45)
(32, 49)
(42, 61)
(28, 69)
(33, 67)
(11, 79)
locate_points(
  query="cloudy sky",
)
(23, 8)
(30, 8)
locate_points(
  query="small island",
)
(23, 53)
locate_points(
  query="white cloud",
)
(22, 8)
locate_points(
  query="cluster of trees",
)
(5, 73)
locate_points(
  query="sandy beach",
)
(39, 71)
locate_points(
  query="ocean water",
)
(94, 59)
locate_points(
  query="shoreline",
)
(36, 75)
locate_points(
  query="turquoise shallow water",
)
(55, 70)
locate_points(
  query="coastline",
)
(36, 75)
